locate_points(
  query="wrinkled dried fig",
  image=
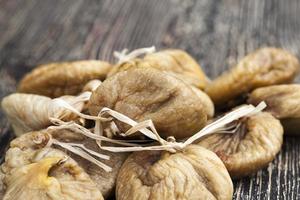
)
(24, 147)
(194, 173)
(45, 174)
(264, 67)
(65, 78)
(146, 93)
(283, 102)
(251, 147)
(176, 61)
(28, 112)
(207, 102)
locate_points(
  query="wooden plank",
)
(217, 33)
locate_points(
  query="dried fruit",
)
(27, 112)
(145, 93)
(250, 147)
(207, 102)
(194, 173)
(25, 147)
(65, 78)
(264, 67)
(175, 61)
(283, 102)
(45, 174)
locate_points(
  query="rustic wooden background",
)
(216, 32)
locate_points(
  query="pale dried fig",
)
(45, 174)
(264, 67)
(176, 61)
(193, 173)
(252, 146)
(28, 112)
(146, 93)
(283, 101)
(207, 102)
(24, 147)
(64, 78)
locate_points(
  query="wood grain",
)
(217, 33)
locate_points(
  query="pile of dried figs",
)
(150, 126)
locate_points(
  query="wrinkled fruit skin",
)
(65, 78)
(146, 93)
(30, 173)
(253, 146)
(175, 61)
(30, 112)
(194, 173)
(264, 67)
(283, 101)
(105, 182)
(206, 101)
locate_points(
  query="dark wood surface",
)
(217, 33)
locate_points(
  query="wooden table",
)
(217, 33)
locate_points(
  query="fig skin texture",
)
(283, 101)
(105, 182)
(30, 112)
(194, 173)
(207, 102)
(175, 61)
(263, 67)
(253, 146)
(63, 78)
(146, 93)
(34, 174)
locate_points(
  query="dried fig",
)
(65, 78)
(283, 102)
(24, 147)
(194, 173)
(254, 144)
(176, 61)
(207, 102)
(45, 174)
(264, 67)
(28, 112)
(146, 93)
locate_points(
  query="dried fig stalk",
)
(175, 61)
(194, 173)
(283, 102)
(250, 147)
(28, 112)
(32, 142)
(145, 93)
(45, 173)
(65, 78)
(264, 67)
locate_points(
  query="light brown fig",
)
(63, 78)
(45, 174)
(207, 102)
(193, 173)
(23, 149)
(175, 61)
(264, 67)
(29, 112)
(252, 146)
(146, 93)
(283, 101)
